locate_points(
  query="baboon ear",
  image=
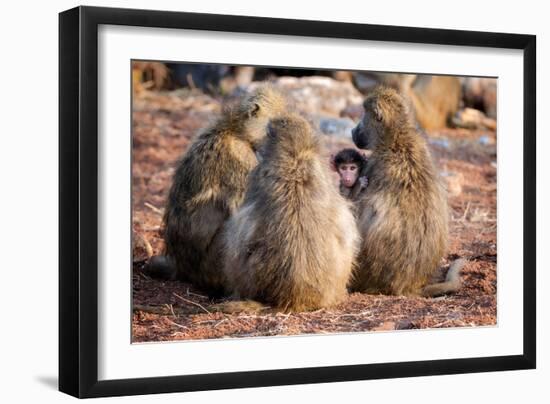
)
(377, 113)
(333, 163)
(270, 131)
(373, 106)
(253, 110)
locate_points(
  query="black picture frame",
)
(78, 201)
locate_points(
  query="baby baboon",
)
(209, 185)
(351, 166)
(403, 214)
(292, 243)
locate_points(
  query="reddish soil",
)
(163, 125)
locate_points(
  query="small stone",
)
(405, 325)
(385, 326)
(454, 182)
(336, 126)
(440, 142)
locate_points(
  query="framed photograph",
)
(251, 202)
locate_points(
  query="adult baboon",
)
(291, 245)
(403, 214)
(208, 187)
(435, 100)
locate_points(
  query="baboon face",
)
(365, 134)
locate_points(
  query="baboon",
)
(208, 187)
(403, 214)
(435, 99)
(351, 166)
(291, 245)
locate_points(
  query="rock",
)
(385, 326)
(316, 95)
(405, 325)
(141, 248)
(354, 112)
(203, 76)
(150, 76)
(335, 126)
(471, 118)
(367, 81)
(440, 142)
(454, 182)
(481, 93)
(485, 140)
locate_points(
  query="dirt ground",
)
(163, 126)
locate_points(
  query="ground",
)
(163, 126)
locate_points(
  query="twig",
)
(150, 309)
(150, 228)
(154, 208)
(148, 249)
(219, 322)
(465, 212)
(192, 302)
(165, 310)
(195, 294)
(171, 309)
(176, 324)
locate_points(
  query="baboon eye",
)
(255, 109)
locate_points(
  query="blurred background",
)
(438, 101)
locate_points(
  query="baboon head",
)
(348, 163)
(385, 113)
(257, 109)
(289, 134)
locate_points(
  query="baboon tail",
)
(160, 267)
(239, 306)
(452, 281)
(228, 307)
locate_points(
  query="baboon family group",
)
(253, 212)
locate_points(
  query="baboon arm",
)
(207, 222)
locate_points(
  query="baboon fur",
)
(403, 214)
(209, 185)
(292, 243)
